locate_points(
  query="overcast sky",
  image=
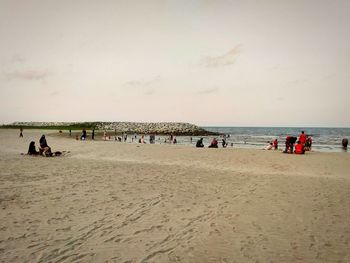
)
(235, 63)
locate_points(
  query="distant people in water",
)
(199, 143)
(299, 148)
(275, 144)
(344, 143)
(44, 147)
(269, 146)
(32, 150)
(213, 144)
(21, 132)
(290, 141)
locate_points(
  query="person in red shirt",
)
(299, 148)
(214, 143)
(302, 138)
(275, 144)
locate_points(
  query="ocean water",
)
(323, 139)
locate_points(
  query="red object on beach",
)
(302, 138)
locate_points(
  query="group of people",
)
(213, 144)
(44, 148)
(303, 144)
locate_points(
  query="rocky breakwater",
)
(175, 128)
(161, 128)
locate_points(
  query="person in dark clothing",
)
(32, 150)
(21, 132)
(83, 135)
(199, 143)
(290, 141)
(344, 143)
(224, 143)
(44, 148)
(213, 144)
(93, 135)
(70, 132)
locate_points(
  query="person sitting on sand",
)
(32, 150)
(269, 146)
(299, 148)
(213, 144)
(44, 148)
(199, 143)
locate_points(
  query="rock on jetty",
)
(175, 128)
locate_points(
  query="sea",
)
(323, 139)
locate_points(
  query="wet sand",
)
(124, 202)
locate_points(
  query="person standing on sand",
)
(93, 134)
(83, 135)
(344, 143)
(70, 132)
(21, 132)
(302, 138)
(290, 141)
(224, 143)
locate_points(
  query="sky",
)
(211, 63)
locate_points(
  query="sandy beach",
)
(124, 202)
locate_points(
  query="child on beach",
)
(269, 146)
